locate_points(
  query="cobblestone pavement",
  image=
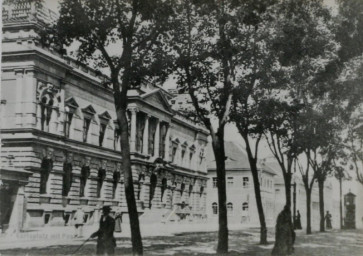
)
(244, 242)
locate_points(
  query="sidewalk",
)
(49, 236)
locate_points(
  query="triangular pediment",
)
(176, 140)
(71, 102)
(105, 115)
(157, 99)
(89, 110)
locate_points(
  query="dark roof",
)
(236, 157)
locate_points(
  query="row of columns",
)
(145, 145)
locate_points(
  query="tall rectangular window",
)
(116, 138)
(182, 155)
(163, 131)
(102, 134)
(246, 182)
(67, 124)
(152, 130)
(86, 125)
(214, 180)
(173, 154)
(191, 159)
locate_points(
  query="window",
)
(116, 138)
(182, 187)
(201, 156)
(214, 179)
(215, 208)
(182, 155)
(152, 131)
(86, 125)
(230, 181)
(245, 206)
(163, 131)
(230, 208)
(102, 134)
(190, 190)
(246, 182)
(190, 159)
(140, 126)
(67, 124)
(173, 154)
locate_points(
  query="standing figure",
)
(118, 221)
(298, 221)
(78, 222)
(328, 220)
(106, 242)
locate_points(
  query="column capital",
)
(29, 72)
(133, 110)
(18, 71)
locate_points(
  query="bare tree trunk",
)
(308, 211)
(121, 108)
(219, 153)
(257, 189)
(321, 204)
(261, 215)
(341, 203)
(287, 178)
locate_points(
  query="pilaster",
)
(133, 130)
(146, 136)
(19, 73)
(157, 139)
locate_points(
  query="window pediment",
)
(72, 105)
(89, 111)
(105, 117)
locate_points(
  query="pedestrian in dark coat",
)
(298, 221)
(106, 242)
(328, 220)
(285, 234)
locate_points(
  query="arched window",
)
(230, 208)
(245, 206)
(215, 208)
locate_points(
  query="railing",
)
(25, 10)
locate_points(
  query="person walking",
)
(106, 242)
(328, 220)
(118, 220)
(79, 221)
(298, 221)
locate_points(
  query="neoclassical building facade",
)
(60, 139)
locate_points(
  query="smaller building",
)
(241, 200)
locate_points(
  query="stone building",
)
(60, 139)
(241, 201)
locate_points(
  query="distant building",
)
(241, 201)
(330, 203)
(61, 141)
